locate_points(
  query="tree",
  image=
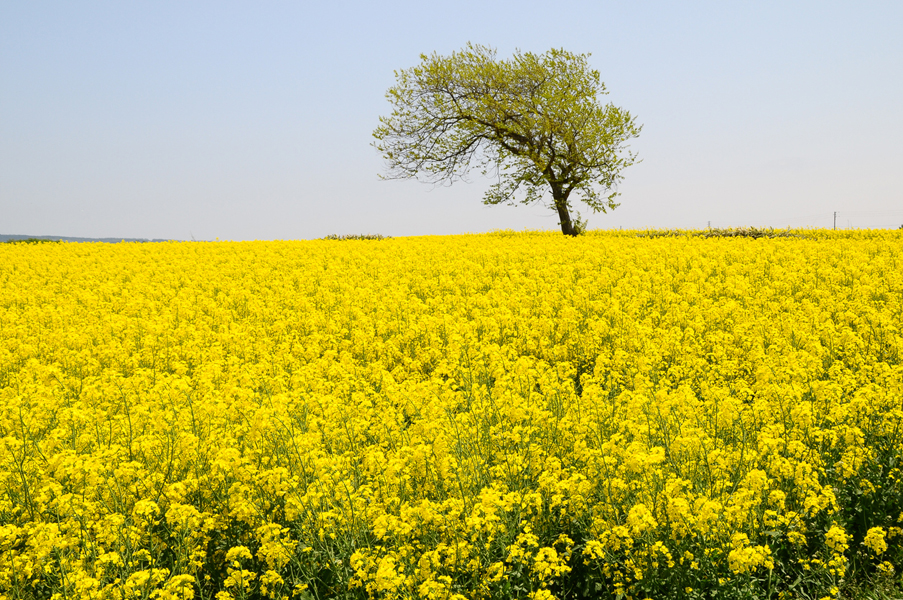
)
(534, 123)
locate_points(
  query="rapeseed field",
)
(513, 415)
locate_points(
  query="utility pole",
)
(835, 219)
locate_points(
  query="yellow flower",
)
(796, 538)
(874, 540)
(430, 415)
(240, 579)
(238, 553)
(640, 519)
(836, 539)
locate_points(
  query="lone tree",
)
(534, 123)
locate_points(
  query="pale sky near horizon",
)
(241, 120)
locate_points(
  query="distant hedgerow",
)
(32, 241)
(363, 236)
(513, 416)
(747, 232)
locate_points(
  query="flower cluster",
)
(511, 415)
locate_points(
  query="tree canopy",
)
(534, 123)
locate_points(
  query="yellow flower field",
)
(510, 415)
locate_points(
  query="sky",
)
(254, 120)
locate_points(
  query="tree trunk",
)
(561, 204)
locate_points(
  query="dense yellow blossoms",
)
(495, 416)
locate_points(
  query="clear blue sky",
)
(253, 120)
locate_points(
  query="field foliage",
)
(511, 415)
